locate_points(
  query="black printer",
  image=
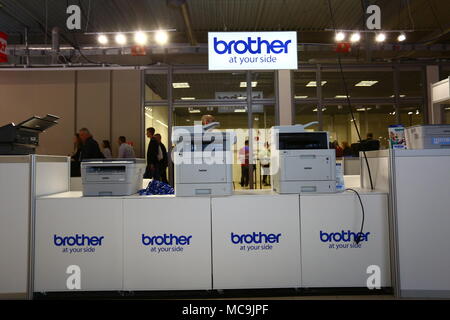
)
(23, 138)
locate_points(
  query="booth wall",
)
(107, 102)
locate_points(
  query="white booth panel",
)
(14, 217)
(167, 243)
(52, 175)
(422, 180)
(85, 232)
(256, 241)
(329, 258)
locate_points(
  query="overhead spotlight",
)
(140, 38)
(401, 37)
(381, 37)
(161, 37)
(340, 36)
(102, 39)
(121, 39)
(355, 37)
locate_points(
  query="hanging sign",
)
(252, 50)
(3, 45)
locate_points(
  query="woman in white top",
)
(106, 149)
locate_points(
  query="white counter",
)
(253, 239)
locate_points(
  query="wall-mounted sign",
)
(252, 50)
(3, 45)
(256, 108)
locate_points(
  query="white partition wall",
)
(167, 243)
(14, 223)
(329, 224)
(76, 235)
(422, 222)
(21, 179)
(256, 241)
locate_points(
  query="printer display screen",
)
(302, 141)
(106, 169)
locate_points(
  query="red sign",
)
(3, 45)
(138, 51)
(343, 47)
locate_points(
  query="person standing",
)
(75, 170)
(106, 149)
(244, 158)
(89, 148)
(164, 162)
(125, 150)
(152, 170)
(264, 159)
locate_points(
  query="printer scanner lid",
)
(39, 124)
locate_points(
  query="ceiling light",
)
(161, 37)
(381, 37)
(188, 98)
(366, 83)
(140, 38)
(162, 123)
(240, 110)
(340, 36)
(244, 84)
(300, 97)
(180, 85)
(341, 96)
(102, 39)
(410, 112)
(192, 110)
(355, 37)
(121, 39)
(363, 109)
(323, 109)
(401, 37)
(401, 96)
(417, 112)
(313, 83)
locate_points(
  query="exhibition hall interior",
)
(224, 149)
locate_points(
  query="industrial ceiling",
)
(31, 22)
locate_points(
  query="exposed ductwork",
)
(55, 44)
(184, 9)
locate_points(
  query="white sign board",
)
(330, 255)
(256, 242)
(167, 243)
(252, 50)
(78, 240)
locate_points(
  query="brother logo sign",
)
(252, 50)
(80, 240)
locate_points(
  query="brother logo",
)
(344, 236)
(77, 240)
(251, 45)
(166, 239)
(255, 237)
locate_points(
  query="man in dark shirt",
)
(152, 170)
(164, 162)
(89, 147)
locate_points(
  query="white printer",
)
(301, 161)
(112, 177)
(430, 136)
(202, 160)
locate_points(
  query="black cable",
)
(344, 83)
(359, 235)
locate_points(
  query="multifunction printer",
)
(301, 160)
(430, 136)
(203, 160)
(112, 177)
(23, 138)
